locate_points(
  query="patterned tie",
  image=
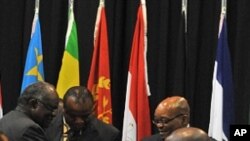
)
(65, 132)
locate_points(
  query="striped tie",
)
(65, 134)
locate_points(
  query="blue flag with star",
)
(33, 70)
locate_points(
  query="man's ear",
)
(94, 109)
(185, 119)
(33, 103)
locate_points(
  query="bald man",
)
(188, 134)
(3, 137)
(171, 113)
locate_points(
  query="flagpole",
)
(184, 11)
(144, 11)
(143, 3)
(102, 2)
(223, 14)
(37, 4)
(224, 7)
(36, 15)
(70, 17)
(98, 17)
(71, 4)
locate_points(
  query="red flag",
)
(137, 123)
(1, 103)
(99, 77)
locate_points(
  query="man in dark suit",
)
(35, 110)
(172, 113)
(77, 122)
(188, 134)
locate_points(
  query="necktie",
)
(65, 132)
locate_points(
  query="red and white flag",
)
(99, 77)
(136, 122)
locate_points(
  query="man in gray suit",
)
(35, 110)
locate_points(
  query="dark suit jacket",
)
(19, 127)
(155, 137)
(96, 130)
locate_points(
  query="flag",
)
(69, 73)
(222, 111)
(99, 77)
(33, 70)
(136, 122)
(1, 102)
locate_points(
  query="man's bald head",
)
(171, 113)
(188, 134)
(173, 106)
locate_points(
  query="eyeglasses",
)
(48, 107)
(165, 121)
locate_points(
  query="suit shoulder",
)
(15, 124)
(15, 119)
(106, 127)
(155, 137)
(106, 131)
